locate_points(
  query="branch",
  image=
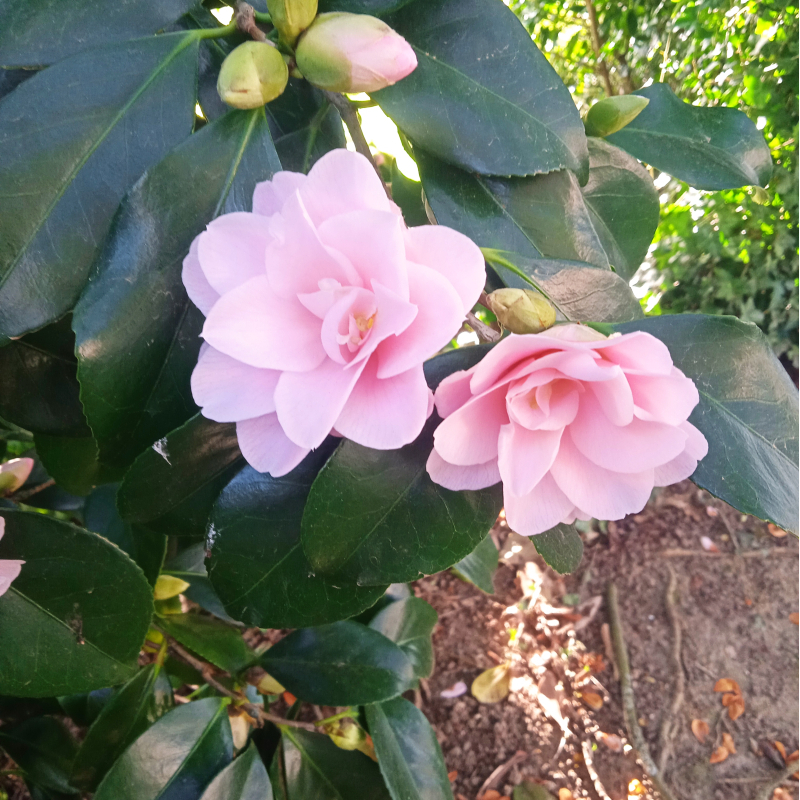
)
(597, 46)
(770, 787)
(671, 719)
(484, 331)
(245, 18)
(24, 495)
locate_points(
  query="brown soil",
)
(733, 612)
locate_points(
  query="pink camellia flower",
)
(344, 52)
(321, 306)
(9, 567)
(14, 473)
(575, 424)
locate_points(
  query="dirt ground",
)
(731, 609)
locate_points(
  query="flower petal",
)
(459, 478)
(667, 399)
(544, 507)
(269, 196)
(266, 447)
(639, 351)
(453, 392)
(200, 291)
(525, 456)
(9, 571)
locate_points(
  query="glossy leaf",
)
(30, 35)
(76, 616)
(210, 638)
(313, 766)
(245, 779)
(73, 463)
(560, 547)
(608, 222)
(709, 148)
(342, 664)
(409, 754)
(467, 102)
(136, 706)
(44, 749)
(375, 8)
(480, 565)
(176, 758)
(137, 332)
(439, 367)
(73, 145)
(409, 624)
(11, 78)
(748, 412)
(257, 565)
(376, 517)
(173, 484)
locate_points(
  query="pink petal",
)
(452, 254)
(639, 351)
(469, 435)
(683, 465)
(252, 325)
(309, 403)
(599, 492)
(269, 196)
(266, 447)
(9, 571)
(615, 398)
(667, 399)
(544, 507)
(197, 286)
(372, 241)
(696, 443)
(554, 405)
(228, 390)
(629, 448)
(385, 414)
(525, 457)
(458, 478)
(439, 316)
(453, 392)
(343, 181)
(337, 318)
(232, 250)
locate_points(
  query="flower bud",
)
(344, 52)
(168, 586)
(14, 473)
(252, 75)
(292, 17)
(522, 310)
(614, 113)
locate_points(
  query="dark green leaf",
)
(245, 779)
(84, 708)
(375, 517)
(11, 78)
(561, 548)
(37, 32)
(342, 664)
(72, 146)
(408, 195)
(44, 749)
(176, 758)
(72, 462)
(608, 222)
(375, 8)
(710, 148)
(257, 565)
(482, 95)
(580, 292)
(76, 616)
(180, 477)
(137, 332)
(314, 767)
(409, 624)
(136, 706)
(38, 387)
(439, 367)
(408, 753)
(210, 638)
(748, 411)
(480, 565)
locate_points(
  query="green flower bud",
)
(292, 17)
(614, 113)
(522, 310)
(252, 75)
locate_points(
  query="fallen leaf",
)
(736, 708)
(289, 698)
(636, 788)
(492, 685)
(596, 663)
(451, 776)
(775, 531)
(700, 730)
(728, 743)
(781, 749)
(793, 757)
(456, 690)
(727, 685)
(610, 740)
(592, 699)
(781, 794)
(708, 545)
(748, 602)
(565, 794)
(795, 617)
(490, 794)
(768, 750)
(720, 754)
(711, 511)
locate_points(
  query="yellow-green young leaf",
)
(492, 685)
(268, 685)
(168, 586)
(613, 113)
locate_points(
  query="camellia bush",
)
(230, 394)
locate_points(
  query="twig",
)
(498, 773)
(253, 710)
(681, 553)
(17, 496)
(597, 46)
(350, 118)
(769, 787)
(586, 747)
(628, 700)
(485, 333)
(605, 635)
(671, 719)
(246, 22)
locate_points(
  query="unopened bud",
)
(168, 586)
(14, 473)
(614, 113)
(522, 310)
(292, 17)
(346, 734)
(344, 52)
(252, 75)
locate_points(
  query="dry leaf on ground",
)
(708, 545)
(735, 707)
(775, 531)
(700, 730)
(781, 794)
(592, 699)
(565, 794)
(610, 740)
(492, 685)
(727, 685)
(720, 754)
(728, 743)
(795, 617)
(781, 749)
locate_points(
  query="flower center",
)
(358, 328)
